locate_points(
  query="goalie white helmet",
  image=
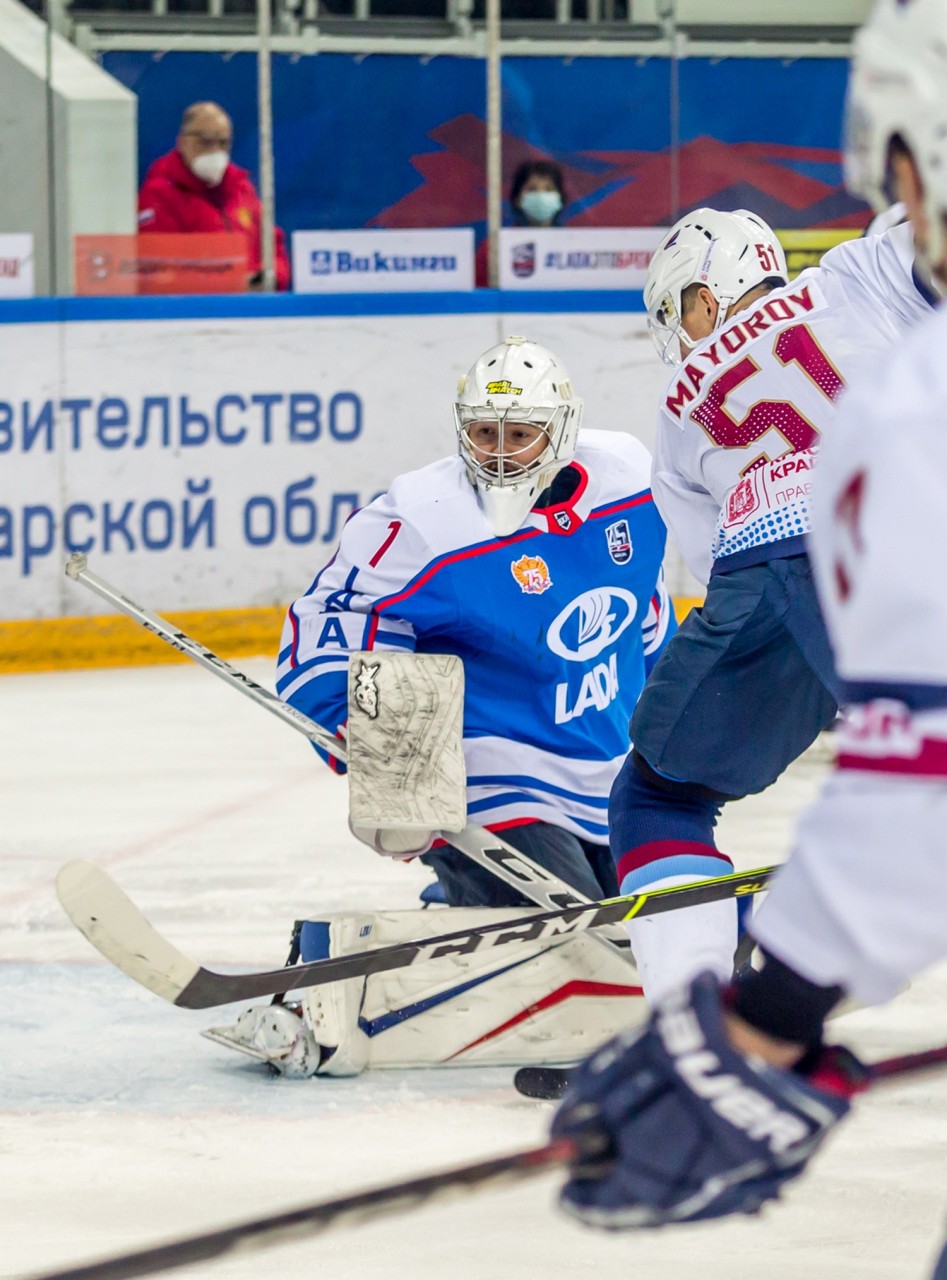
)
(729, 253)
(517, 419)
(898, 89)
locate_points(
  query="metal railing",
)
(556, 27)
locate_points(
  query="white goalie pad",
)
(529, 1004)
(405, 741)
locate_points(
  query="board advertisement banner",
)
(433, 260)
(16, 265)
(577, 257)
(160, 262)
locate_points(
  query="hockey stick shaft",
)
(378, 1202)
(115, 926)
(77, 569)
(481, 846)
(316, 1219)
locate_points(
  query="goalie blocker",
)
(532, 1004)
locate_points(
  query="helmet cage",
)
(503, 469)
(515, 382)
(664, 326)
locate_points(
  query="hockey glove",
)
(691, 1128)
(394, 842)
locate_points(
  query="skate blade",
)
(220, 1035)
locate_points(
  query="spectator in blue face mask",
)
(537, 195)
(537, 198)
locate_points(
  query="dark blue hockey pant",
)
(743, 687)
(583, 865)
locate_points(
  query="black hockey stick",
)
(315, 1219)
(481, 846)
(378, 1202)
(113, 924)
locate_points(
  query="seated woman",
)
(537, 198)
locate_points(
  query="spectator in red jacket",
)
(195, 187)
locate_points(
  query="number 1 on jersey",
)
(393, 528)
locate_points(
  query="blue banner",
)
(396, 141)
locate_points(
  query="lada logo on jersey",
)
(591, 622)
(532, 573)
(366, 690)
(503, 388)
(618, 537)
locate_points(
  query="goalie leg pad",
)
(322, 1036)
(332, 1011)
(537, 1003)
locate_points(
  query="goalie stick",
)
(383, 1201)
(114, 925)
(481, 846)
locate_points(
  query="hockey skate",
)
(276, 1034)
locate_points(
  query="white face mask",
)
(541, 206)
(211, 166)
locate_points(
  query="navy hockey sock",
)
(661, 827)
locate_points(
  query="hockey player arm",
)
(689, 1120)
(687, 509)
(659, 625)
(877, 274)
(337, 616)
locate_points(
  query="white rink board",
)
(391, 378)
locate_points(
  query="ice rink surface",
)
(122, 1127)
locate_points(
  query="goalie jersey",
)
(557, 624)
(742, 419)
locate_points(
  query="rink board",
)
(205, 457)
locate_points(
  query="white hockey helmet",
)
(898, 88)
(730, 253)
(515, 382)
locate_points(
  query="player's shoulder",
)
(616, 457)
(893, 249)
(413, 492)
(436, 503)
(910, 384)
(874, 275)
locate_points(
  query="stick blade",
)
(115, 927)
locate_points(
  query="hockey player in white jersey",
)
(533, 554)
(748, 681)
(727, 1096)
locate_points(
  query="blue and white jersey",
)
(742, 420)
(557, 625)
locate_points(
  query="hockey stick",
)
(383, 1201)
(481, 846)
(113, 924)
(315, 1219)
